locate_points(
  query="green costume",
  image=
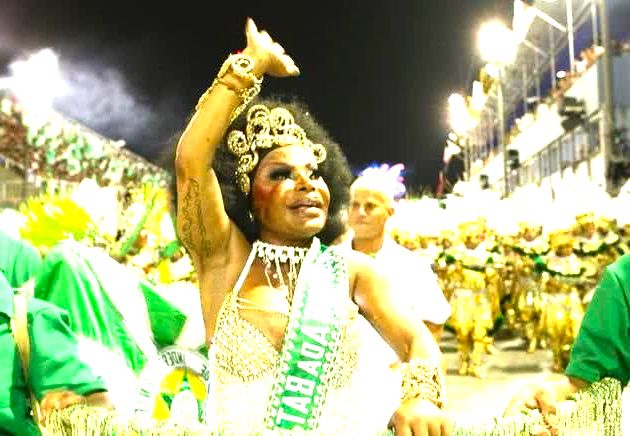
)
(19, 260)
(121, 321)
(54, 365)
(602, 347)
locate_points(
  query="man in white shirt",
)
(412, 279)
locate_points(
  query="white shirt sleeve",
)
(431, 304)
(414, 284)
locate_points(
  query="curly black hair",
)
(334, 170)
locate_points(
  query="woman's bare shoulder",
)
(361, 269)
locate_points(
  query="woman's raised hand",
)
(270, 56)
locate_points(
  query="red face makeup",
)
(289, 198)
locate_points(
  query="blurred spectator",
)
(56, 375)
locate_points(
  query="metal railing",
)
(15, 191)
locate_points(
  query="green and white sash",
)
(311, 342)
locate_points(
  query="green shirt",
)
(55, 363)
(19, 260)
(602, 347)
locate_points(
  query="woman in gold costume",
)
(256, 207)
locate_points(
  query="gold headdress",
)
(585, 218)
(470, 228)
(606, 223)
(266, 128)
(560, 238)
(447, 234)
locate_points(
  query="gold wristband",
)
(228, 85)
(242, 66)
(422, 379)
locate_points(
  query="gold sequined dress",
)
(363, 394)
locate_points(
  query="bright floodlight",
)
(459, 117)
(478, 100)
(497, 43)
(36, 80)
(456, 100)
(452, 136)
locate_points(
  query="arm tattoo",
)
(191, 211)
(187, 219)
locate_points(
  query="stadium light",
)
(497, 43)
(35, 81)
(459, 117)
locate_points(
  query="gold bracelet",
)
(242, 66)
(228, 85)
(422, 379)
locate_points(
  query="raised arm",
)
(203, 225)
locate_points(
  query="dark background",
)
(376, 73)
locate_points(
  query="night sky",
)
(376, 73)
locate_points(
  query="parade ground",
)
(507, 371)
